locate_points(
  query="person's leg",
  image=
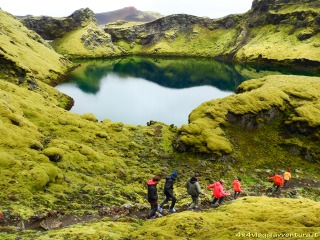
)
(277, 188)
(193, 204)
(196, 201)
(220, 200)
(236, 195)
(172, 197)
(285, 183)
(214, 200)
(153, 210)
(165, 200)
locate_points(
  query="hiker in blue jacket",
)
(168, 191)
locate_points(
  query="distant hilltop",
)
(129, 14)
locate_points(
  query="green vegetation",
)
(245, 218)
(196, 42)
(26, 55)
(255, 128)
(283, 34)
(54, 161)
(87, 42)
(279, 43)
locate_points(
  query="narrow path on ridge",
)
(56, 220)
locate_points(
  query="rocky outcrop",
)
(276, 5)
(270, 12)
(51, 28)
(258, 36)
(95, 37)
(282, 33)
(155, 31)
(282, 116)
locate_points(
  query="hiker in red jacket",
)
(277, 182)
(237, 188)
(153, 196)
(218, 192)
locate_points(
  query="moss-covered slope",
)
(25, 56)
(54, 161)
(282, 31)
(179, 35)
(89, 41)
(271, 33)
(251, 217)
(50, 157)
(271, 118)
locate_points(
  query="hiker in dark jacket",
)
(193, 189)
(168, 191)
(153, 196)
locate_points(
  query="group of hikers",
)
(194, 190)
(279, 181)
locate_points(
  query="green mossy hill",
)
(87, 42)
(252, 214)
(282, 33)
(25, 56)
(52, 159)
(245, 218)
(286, 32)
(179, 35)
(268, 113)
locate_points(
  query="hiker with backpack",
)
(153, 196)
(168, 191)
(218, 193)
(237, 187)
(277, 182)
(194, 190)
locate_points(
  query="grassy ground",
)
(54, 161)
(247, 217)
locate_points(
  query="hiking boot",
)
(173, 210)
(150, 218)
(160, 209)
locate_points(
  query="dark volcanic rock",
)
(268, 12)
(180, 23)
(51, 28)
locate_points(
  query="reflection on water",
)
(136, 90)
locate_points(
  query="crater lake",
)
(135, 90)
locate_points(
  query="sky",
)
(59, 8)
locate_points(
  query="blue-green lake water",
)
(135, 90)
